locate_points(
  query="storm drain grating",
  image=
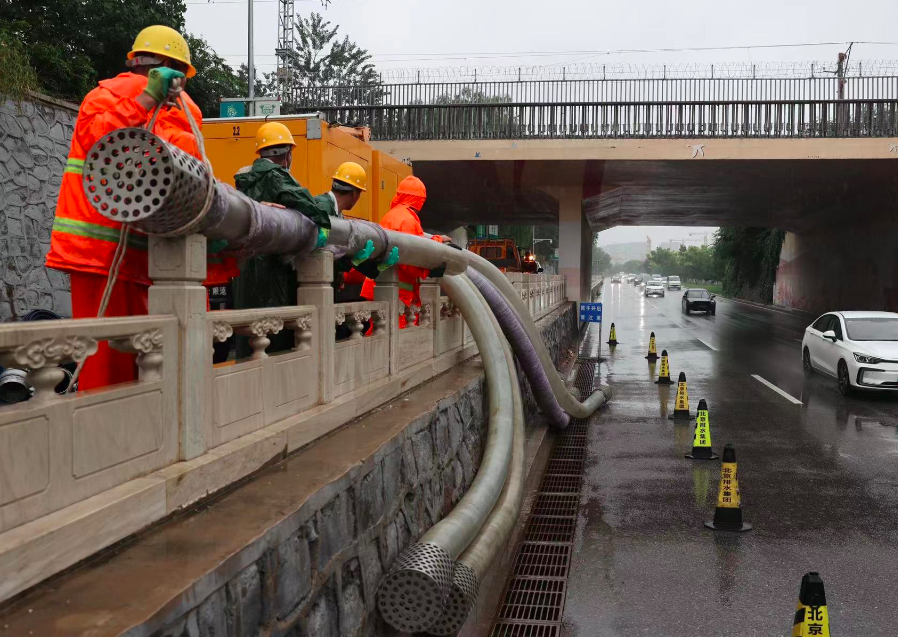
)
(503, 629)
(550, 529)
(533, 601)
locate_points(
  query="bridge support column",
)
(575, 244)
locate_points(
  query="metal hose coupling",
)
(412, 595)
(462, 597)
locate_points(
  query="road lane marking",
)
(791, 399)
(708, 345)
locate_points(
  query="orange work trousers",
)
(107, 366)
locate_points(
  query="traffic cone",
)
(728, 514)
(701, 444)
(811, 618)
(664, 374)
(681, 404)
(653, 351)
(612, 338)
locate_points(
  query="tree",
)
(601, 260)
(748, 259)
(322, 59)
(71, 44)
(662, 260)
(634, 266)
(214, 79)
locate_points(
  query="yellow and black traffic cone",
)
(653, 351)
(701, 443)
(728, 514)
(811, 618)
(664, 374)
(612, 338)
(681, 404)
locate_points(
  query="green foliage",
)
(634, 266)
(695, 263)
(214, 79)
(601, 261)
(17, 76)
(71, 44)
(749, 258)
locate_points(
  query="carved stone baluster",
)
(148, 346)
(358, 318)
(42, 358)
(424, 317)
(302, 328)
(379, 319)
(445, 310)
(258, 332)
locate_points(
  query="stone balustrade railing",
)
(102, 464)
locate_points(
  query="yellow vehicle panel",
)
(388, 172)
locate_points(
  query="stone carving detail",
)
(147, 341)
(302, 327)
(52, 351)
(221, 331)
(424, 318)
(266, 326)
(304, 323)
(339, 317)
(362, 315)
(380, 322)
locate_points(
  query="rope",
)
(122, 246)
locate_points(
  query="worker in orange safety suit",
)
(83, 241)
(403, 217)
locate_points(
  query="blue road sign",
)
(591, 312)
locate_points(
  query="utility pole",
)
(250, 67)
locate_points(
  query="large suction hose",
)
(496, 531)
(523, 349)
(411, 596)
(570, 404)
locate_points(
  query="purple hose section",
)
(523, 350)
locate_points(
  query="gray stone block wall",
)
(321, 581)
(34, 145)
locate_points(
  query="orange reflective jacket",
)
(410, 196)
(83, 240)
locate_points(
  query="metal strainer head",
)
(412, 595)
(133, 176)
(462, 596)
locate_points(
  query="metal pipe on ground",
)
(523, 349)
(567, 401)
(493, 536)
(411, 596)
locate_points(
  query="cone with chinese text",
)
(664, 374)
(612, 338)
(701, 443)
(728, 514)
(681, 403)
(811, 618)
(653, 351)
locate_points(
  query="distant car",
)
(637, 279)
(657, 277)
(615, 278)
(859, 349)
(699, 300)
(673, 283)
(654, 288)
(629, 278)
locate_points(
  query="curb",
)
(777, 309)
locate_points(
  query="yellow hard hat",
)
(351, 174)
(165, 41)
(273, 134)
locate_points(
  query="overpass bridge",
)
(805, 149)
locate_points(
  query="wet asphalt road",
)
(819, 483)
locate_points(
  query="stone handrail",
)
(121, 457)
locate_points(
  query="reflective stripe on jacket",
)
(83, 240)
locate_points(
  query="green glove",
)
(390, 261)
(159, 82)
(323, 234)
(363, 254)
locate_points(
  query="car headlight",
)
(864, 358)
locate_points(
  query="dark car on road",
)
(699, 300)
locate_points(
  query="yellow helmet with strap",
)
(351, 174)
(165, 41)
(273, 134)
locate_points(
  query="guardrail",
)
(99, 465)
(615, 120)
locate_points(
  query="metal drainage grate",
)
(503, 629)
(533, 599)
(550, 529)
(533, 602)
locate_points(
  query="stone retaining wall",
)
(321, 579)
(34, 144)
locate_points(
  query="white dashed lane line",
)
(708, 345)
(790, 398)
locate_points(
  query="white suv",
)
(673, 283)
(654, 288)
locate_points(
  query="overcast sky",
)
(420, 33)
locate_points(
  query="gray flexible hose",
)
(570, 404)
(523, 349)
(496, 531)
(412, 594)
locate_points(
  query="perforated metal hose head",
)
(461, 599)
(411, 596)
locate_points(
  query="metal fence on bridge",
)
(591, 120)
